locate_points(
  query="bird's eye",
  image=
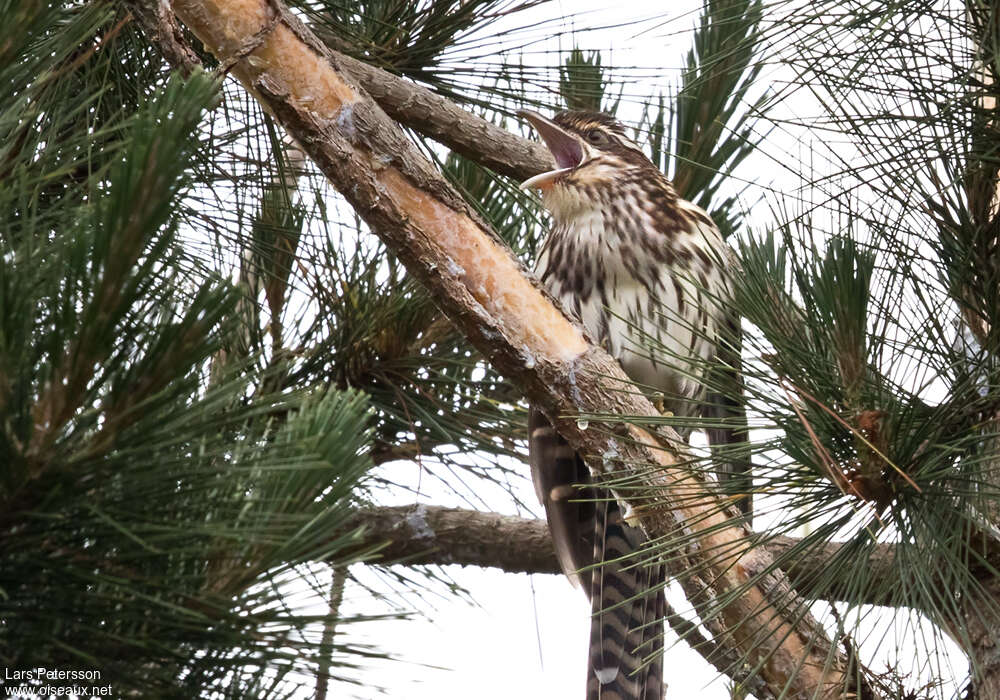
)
(595, 136)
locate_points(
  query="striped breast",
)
(647, 287)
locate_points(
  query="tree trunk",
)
(980, 640)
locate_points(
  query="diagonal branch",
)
(741, 598)
(410, 104)
(441, 119)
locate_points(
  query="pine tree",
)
(210, 363)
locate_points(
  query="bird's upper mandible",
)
(595, 160)
(583, 144)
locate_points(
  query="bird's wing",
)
(727, 417)
(557, 471)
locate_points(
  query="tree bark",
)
(442, 120)
(422, 534)
(425, 534)
(741, 598)
(980, 639)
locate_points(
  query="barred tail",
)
(587, 527)
(626, 640)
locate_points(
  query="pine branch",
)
(434, 535)
(423, 534)
(408, 103)
(485, 292)
(149, 524)
(162, 30)
(442, 120)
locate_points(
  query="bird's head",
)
(593, 156)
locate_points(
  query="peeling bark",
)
(486, 293)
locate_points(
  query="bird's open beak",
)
(565, 148)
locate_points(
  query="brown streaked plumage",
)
(633, 262)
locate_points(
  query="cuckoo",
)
(643, 271)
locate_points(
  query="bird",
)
(634, 263)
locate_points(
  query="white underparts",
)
(653, 325)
